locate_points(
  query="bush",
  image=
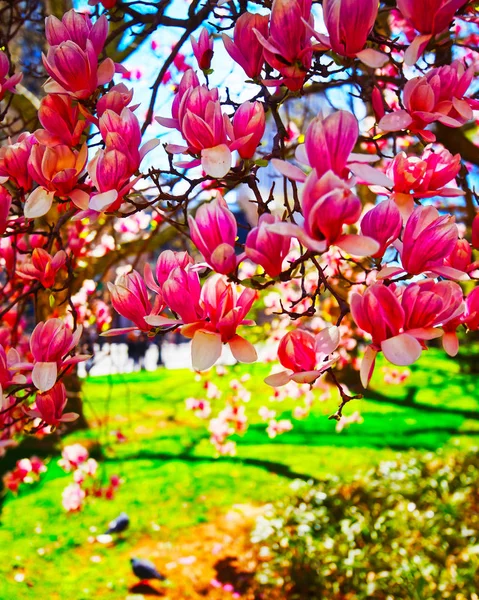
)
(407, 529)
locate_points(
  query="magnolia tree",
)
(345, 127)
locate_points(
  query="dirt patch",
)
(214, 560)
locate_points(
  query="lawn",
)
(173, 483)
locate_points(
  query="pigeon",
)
(119, 524)
(145, 570)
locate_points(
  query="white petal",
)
(205, 350)
(44, 375)
(327, 340)
(101, 201)
(401, 350)
(38, 203)
(216, 162)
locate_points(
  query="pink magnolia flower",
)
(43, 267)
(86, 469)
(51, 344)
(349, 24)
(266, 248)
(213, 231)
(50, 405)
(245, 49)
(395, 376)
(305, 356)
(182, 293)
(471, 313)
(5, 205)
(276, 428)
(7, 84)
(226, 310)
(197, 114)
(382, 223)
(77, 27)
(400, 320)
(212, 321)
(116, 99)
(329, 145)
(461, 259)
(56, 169)
(72, 457)
(14, 161)
(249, 123)
(201, 408)
(288, 48)
(167, 261)
(327, 205)
(200, 119)
(60, 118)
(203, 49)
(74, 69)
(437, 96)
(429, 18)
(423, 177)
(122, 132)
(72, 497)
(129, 296)
(427, 241)
(9, 366)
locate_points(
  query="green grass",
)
(172, 480)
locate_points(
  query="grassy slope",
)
(173, 481)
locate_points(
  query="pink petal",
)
(372, 58)
(401, 350)
(243, 350)
(395, 121)
(278, 379)
(205, 350)
(69, 417)
(327, 340)
(288, 170)
(416, 49)
(450, 343)
(357, 245)
(425, 333)
(148, 147)
(119, 331)
(370, 175)
(388, 272)
(106, 71)
(307, 376)
(80, 199)
(451, 273)
(367, 366)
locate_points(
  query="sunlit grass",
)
(172, 480)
